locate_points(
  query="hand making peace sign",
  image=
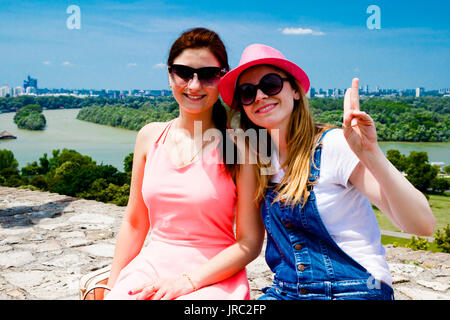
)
(359, 127)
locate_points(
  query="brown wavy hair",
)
(197, 38)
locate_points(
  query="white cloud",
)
(66, 64)
(160, 66)
(131, 64)
(46, 63)
(302, 31)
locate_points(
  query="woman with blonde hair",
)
(183, 190)
(323, 240)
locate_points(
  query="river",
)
(104, 144)
(110, 145)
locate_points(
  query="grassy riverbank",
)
(439, 204)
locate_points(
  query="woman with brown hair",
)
(183, 190)
(323, 240)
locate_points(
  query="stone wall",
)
(48, 241)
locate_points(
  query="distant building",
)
(30, 82)
(113, 94)
(18, 91)
(31, 90)
(5, 90)
(419, 92)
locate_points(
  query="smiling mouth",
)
(266, 108)
(194, 97)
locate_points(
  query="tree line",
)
(423, 119)
(121, 115)
(13, 104)
(397, 119)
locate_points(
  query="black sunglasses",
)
(271, 84)
(206, 75)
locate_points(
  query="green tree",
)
(44, 164)
(440, 185)
(419, 172)
(447, 169)
(39, 181)
(128, 162)
(31, 169)
(397, 159)
(7, 160)
(9, 174)
(66, 179)
(442, 239)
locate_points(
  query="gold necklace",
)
(183, 163)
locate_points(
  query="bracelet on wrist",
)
(190, 281)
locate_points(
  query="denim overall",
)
(307, 262)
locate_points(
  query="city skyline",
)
(123, 45)
(30, 88)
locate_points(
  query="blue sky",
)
(124, 44)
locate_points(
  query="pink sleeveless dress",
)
(192, 213)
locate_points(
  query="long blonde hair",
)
(301, 138)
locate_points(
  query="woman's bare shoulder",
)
(148, 135)
(152, 129)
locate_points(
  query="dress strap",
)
(165, 131)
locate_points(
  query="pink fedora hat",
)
(258, 54)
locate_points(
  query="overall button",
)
(303, 291)
(289, 225)
(298, 246)
(301, 267)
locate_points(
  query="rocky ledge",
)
(48, 241)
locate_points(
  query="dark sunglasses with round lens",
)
(271, 84)
(206, 75)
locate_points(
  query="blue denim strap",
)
(315, 161)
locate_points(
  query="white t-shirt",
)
(345, 212)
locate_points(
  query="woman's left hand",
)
(163, 289)
(359, 127)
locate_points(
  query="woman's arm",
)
(249, 240)
(377, 179)
(135, 223)
(249, 235)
